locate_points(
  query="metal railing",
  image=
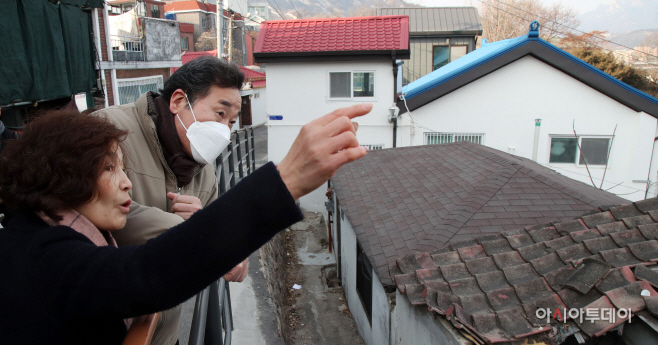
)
(433, 138)
(212, 309)
(127, 48)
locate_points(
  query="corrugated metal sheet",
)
(443, 20)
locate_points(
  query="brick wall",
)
(101, 28)
(108, 88)
(137, 73)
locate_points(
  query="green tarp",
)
(47, 52)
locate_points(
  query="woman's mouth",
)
(125, 207)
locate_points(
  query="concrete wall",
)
(259, 106)
(161, 40)
(419, 326)
(376, 333)
(504, 105)
(299, 92)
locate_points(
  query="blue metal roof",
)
(491, 51)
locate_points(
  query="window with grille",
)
(374, 146)
(434, 138)
(131, 89)
(593, 150)
(184, 44)
(351, 85)
(155, 11)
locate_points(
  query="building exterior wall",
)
(139, 73)
(259, 106)
(161, 40)
(504, 105)
(299, 93)
(377, 331)
(417, 325)
(422, 51)
(195, 18)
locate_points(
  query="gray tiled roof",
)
(601, 260)
(404, 200)
(438, 20)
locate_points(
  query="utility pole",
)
(230, 36)
(219, 15)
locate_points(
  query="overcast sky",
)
(582, 6)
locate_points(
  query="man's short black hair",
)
(197, 76)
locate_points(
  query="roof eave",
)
(413, 34)
(350, 55)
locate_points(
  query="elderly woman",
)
(63, 279)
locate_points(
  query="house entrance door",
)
(245, 118)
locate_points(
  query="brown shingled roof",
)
(599, 261)
(404, 200)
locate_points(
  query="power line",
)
(568, 27)
(295, 7)
(278, 10)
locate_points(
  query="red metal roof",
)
(189, 6)
(186, 27)
(334, 34)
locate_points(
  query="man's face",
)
(221, 105)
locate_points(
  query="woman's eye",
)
(221, 113)
(109, 168)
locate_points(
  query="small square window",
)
(595, 151)
(441, 56)
(340, 84)
(364, 84)
(456, 52)
(563, 150)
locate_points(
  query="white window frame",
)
(351, 98)
(578, 146)
(125, 82)
(452, 135)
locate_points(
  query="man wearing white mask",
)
(174, 140)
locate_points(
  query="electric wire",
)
(276, 8)
(295, 7)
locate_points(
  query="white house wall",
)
(418, 326)
(378, 333)
(259, 106)
(504, 105)
(298, 92)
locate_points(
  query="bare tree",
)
(207, 41)
(503, 19)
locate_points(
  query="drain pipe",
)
(394, 111)
(535, 146)
(395, 94)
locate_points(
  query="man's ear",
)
(177, 102)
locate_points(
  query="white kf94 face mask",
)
(207, 139)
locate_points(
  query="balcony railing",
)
(127, 48)
(212, 310)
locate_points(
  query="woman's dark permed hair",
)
(56, 163)
(197, 76)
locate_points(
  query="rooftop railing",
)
(127, 48)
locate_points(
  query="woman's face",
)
(108, 210)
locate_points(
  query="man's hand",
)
(322, 146)
(184, 205)
(238, 273)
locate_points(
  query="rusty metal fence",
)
(212, 321)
